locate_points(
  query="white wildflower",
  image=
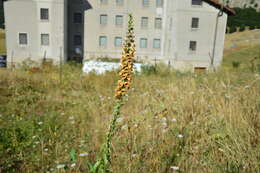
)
(164, 124)
(174, 120)
(180, 136)
(40, 123)
(164, 119)
(46, 149)
(71, 118)
(83, 154)
(124, 127)
(134, 155)
(60, 166)
(119, 120)
(176, 168)
(73, 165)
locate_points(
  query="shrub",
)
(236, 64)
(148, 69)
(242, 28)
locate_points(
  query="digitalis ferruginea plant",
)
(127, 62)
(126, 76)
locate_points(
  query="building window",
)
(143, 43)
(159, 3)
(77, 18)
(118, 41)
(77, 40)
(195, 23)
(196, 2)
(193, 45)
(144, 22)
(145, 3)
(103, 1)
(102, 41)
(157, 43)
(158, 23)
(45, 39)
(119, 2)
(119, 20)
(23, 40)
(44, 14)
(103, 19)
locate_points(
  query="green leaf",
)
(73, 155)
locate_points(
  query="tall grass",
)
(172, 123)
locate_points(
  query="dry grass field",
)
(171, 122)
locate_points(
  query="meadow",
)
(171, 121)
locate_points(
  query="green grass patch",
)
(2, 42)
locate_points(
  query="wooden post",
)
(155, 62)
(12, 60)
(44, 56)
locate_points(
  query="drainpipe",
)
(164, 26)
(220, 14)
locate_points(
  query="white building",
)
(187, 34)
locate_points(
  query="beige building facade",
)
(35, 29)
(186, 34)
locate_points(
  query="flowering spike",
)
(127, 61)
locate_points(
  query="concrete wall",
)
(24, 16)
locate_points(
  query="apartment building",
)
(186, 34)
(44, 30)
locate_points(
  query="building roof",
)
(219, 5)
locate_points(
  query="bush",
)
(242, 28)
(236, 64)
(232, 29)
(148, 69)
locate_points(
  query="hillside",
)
(241, 47)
